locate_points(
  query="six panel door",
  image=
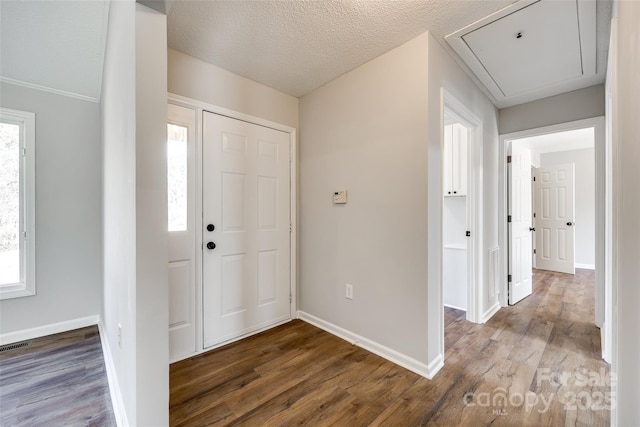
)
(246, 255)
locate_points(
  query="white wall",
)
(567, 107)
(152, 289)
(585, 202)
(376, 131)
(445, 72)
(135, 211)
(366, 132)
(119, 202)
(196, 79)
(68, 211)
(625, 103)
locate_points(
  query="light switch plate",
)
(340, 197)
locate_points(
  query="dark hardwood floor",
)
(59, 380)
(536, 364)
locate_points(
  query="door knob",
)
(569, 223)
(532, 229)
(211, 227)
(211, 245)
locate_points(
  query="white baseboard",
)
(585, 266)
(456, 308)
(50, 329)
(489, 313)
(427, 371)
(114, 387)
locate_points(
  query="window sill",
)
(17, 290)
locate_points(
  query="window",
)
(17, 204)
(177, 177)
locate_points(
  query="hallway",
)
(537, 363)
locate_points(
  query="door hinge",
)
(534, 214)
(290, 228)
(508, 159)
(534, 178)
(289, 298)
(508, 218)
(24, 152)
(468, 234)
(534, 251)
(509, 278)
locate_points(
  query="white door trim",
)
(199, 107)
(603, 241)
(457, 109)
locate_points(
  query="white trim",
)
(48, 89)
(586, 11)
(598, 124)
(27, 177)
(103, 46)
(603, 263)
(455, 308)
(200, 107)
(456, 41)
(50, 329)
(489, 313)
(112, 377)
(194, 103)
(585, 266)
(453, 107)
(427, 371)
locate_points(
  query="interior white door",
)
(554, 208)
(181, 141)
(520, 249)
(246, 220)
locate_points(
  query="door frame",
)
(452, 107)
(603, 240)
(199, 107)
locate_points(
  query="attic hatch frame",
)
(586, 11)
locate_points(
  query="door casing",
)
(199, 107)
(603, 219)
(452, 107)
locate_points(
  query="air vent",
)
(14, 346)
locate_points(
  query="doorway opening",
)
(461, 211)
(556, 222)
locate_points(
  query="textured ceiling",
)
(54, 45)
(297, 46)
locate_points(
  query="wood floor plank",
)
(297, 374)
(58, 380)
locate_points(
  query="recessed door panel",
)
(180, 293)
(267, 277)
(233, 201)
(234, 292)
(267, 202)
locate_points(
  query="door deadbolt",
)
(211, 227)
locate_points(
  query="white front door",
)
(246, 228)
(181, 141)
(554, 202)
(520, 250)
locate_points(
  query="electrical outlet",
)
(348, 291)
(119, 335)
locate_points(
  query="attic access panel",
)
(530, 45)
